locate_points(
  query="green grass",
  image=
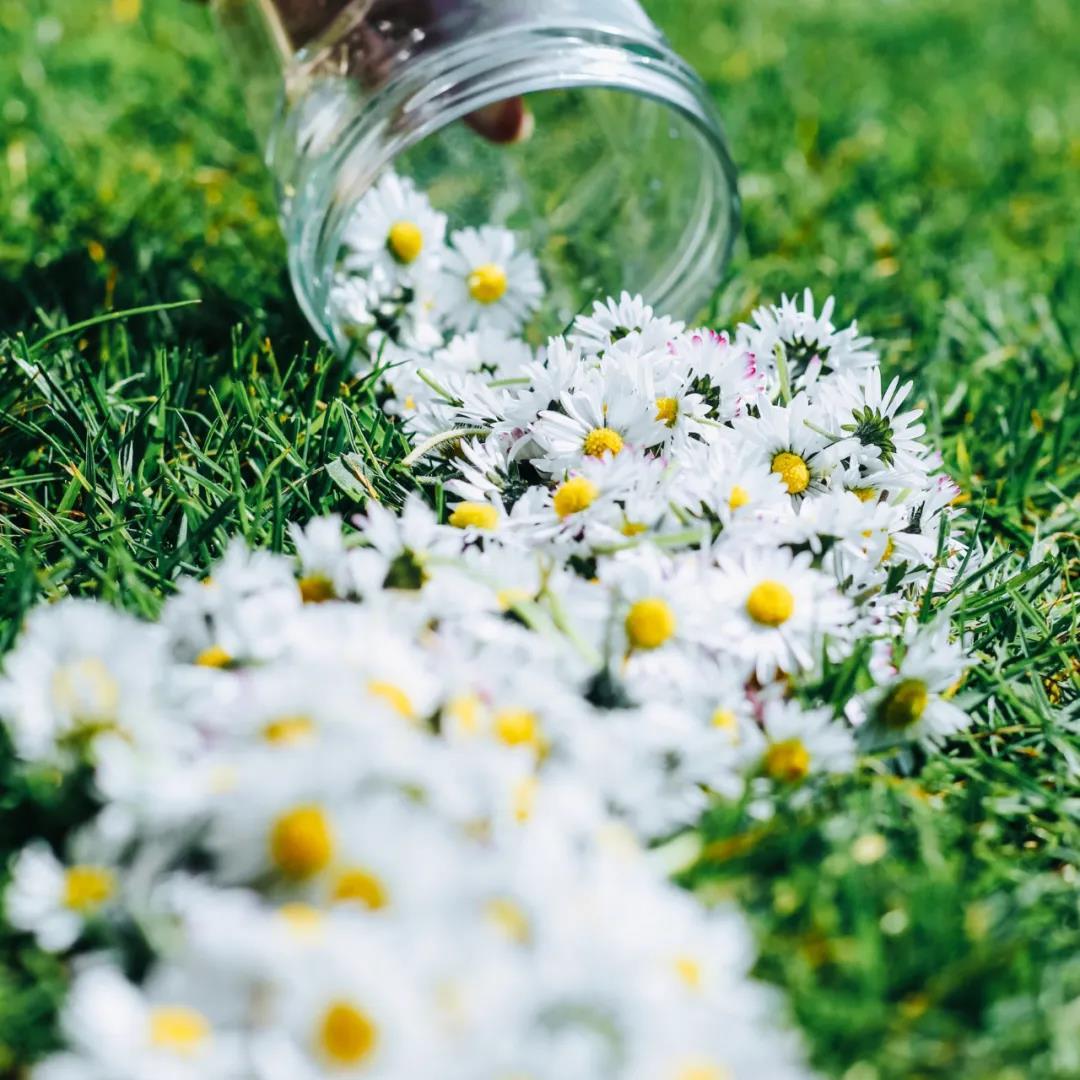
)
(920, 159)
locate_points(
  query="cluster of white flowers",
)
(399, 269)
(377, 811)
(327, 887)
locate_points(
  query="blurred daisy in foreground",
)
(54, 901)
(914, 705)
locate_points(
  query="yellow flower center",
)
(178, 1029)
(739, 497)
(405, 241)
(303, 920)
(601, 441)
(770, 603)
(512, 596)
(357, 885)
(574, 495)
(787, 761)
(703, 1070)
(517, 727)
(474, 515)
(87, 691)
(667, 410)
(725, 720)
(394, 696)
(689, 971)
(864, 494)
(487, 283)
(316, 589)
(649, 623)
(347, 1035)
(86, 888)
(508, 917)
(890, 550)
(301, 842)
(634, 528)
(793, 470)
(524, 798)
(465, 709)
(905, 704)
(287, 730)
(214, 657)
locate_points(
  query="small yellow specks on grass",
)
(126, 11)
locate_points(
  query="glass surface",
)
(624, 182)
(603, 192)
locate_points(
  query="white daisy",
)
(871, 430)
(914, 705)
(770, 608)
(797, 742)
(54, 901)
(78, 671)
(394, 236)
(487, 282)
(788, 438)
(490, 351)
(605, 414)
(116, 1032)
(728, 378)
(628, 319)
(809, 343)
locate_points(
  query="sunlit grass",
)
(919, 159)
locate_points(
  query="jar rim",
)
(451, 81)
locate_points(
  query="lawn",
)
(918, 159)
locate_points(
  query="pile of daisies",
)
(392, 807)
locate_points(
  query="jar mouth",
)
(678, 262)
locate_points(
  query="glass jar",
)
(571, 122)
